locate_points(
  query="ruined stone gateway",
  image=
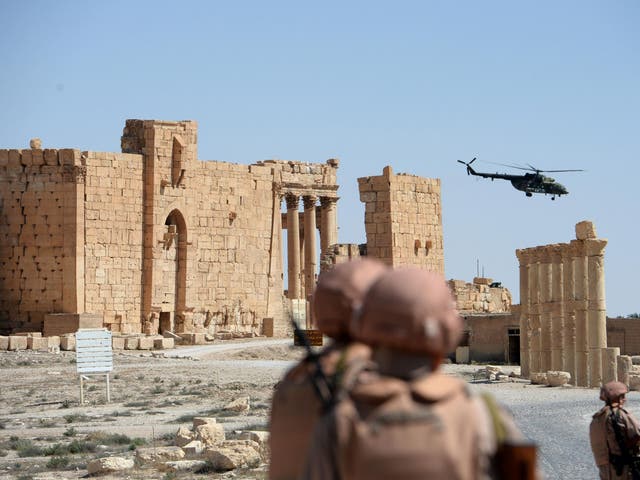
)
(153, 239)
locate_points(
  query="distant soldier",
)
(614, 434)
(296, 405)
(403, 419)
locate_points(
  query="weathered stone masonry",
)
(563, 309)
(152, 238)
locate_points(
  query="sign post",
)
(94, 356)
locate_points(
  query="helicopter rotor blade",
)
(512, 166)
(552, 171)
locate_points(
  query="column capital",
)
(566, 252)
(556, 253)
(595, 246)
(524, 256)
(578, 248)
(292, 201)
(309, 201)
(328, 201)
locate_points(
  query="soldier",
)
(295, 405)
(614, 434)
(403, 418)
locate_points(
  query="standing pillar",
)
(580, 291)
(597, 316)
(525, 327)
(609, 364)
(557, 308)
(544, 268)
(534, 312)
(569, 334)
(310, 251)
(329, 225)
(293, 246)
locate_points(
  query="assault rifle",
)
(321, 383)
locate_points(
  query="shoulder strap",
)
(614, 416)
(499, 428)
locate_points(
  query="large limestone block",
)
(145, 343)
(585, 230)
(193, 449)
(105, 465)
(538, 378)
(163, 343)
(261, 438)
(210, 434)
(192, 466)
(634, 381)
(68, 342)
(17, 343)
(155, 455)
(557, 378)
(37, 343)
(184, 436)
(4, 343)
(53, 342)
(118, 343)
(234, 455)
(131, 343)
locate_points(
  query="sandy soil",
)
(45, 433)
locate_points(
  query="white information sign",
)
(94, 356)
(94, 353)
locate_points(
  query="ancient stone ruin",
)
(563, 310)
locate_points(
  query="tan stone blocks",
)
(131, 343)
(4, 343)
(145, 343)
(68, 342)
(17, 342)
(37, 343)
(163, 343)
(118, 343)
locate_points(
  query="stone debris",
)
(492, 374)
(239, 405)
(101, 466)
(538, 378)
(634, 381)
(193, 466)
(233, 454)
(557, 378)
(156, 455)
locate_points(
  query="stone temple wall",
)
(153, 239)
(403, 220)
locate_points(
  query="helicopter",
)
(529, 183)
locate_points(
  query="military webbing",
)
(498, 427)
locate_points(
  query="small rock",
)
(239, 405)
(184, 436)
(154, 455)
(231, 455)
(634, 381)
(210, 434)
(197, 421)
(104, 465)
(538, 378)
(193, 449)
(192, 466)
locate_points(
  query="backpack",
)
(432, 427)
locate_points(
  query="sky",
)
(412, 84)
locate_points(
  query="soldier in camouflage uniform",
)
(614, 434)
(402, 418)
(295, 406)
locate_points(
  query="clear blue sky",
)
(416, 85)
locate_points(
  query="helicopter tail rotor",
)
(469, 169)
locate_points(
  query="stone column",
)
(581, 287)
(534, 312)
(624, 368)
(310, 251)
(569, 335)
(329, 225)
(596, 316)
(610, 364)
(293, 245)
(525, 326)
(557, 308)
(544, 269)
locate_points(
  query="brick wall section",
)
(488, 336)
(38, 229)
(113, 236)
(403, 220)
(480, 297)
(624, 333)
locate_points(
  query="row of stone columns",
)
(563, 313)
(301, 279)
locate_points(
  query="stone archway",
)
(170, 286)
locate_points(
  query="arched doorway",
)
(171, 283)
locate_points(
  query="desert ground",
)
(45, 433)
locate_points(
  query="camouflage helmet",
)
(612, 391)
(411, 310)
(340, 291)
